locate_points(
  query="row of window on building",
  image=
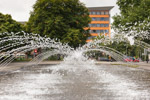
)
(99, 13)
(99, 31)
(98, 25)
(100, 19)
(92, 37)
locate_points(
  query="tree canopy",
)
(121, 43)
(134, 17)
(7, 24)
(61, 19)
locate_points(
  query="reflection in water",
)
(76, 83)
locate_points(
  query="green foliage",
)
(7, 24)
(119, 46)
(132, 11)
(21, 59)
(126, 48)
(128, 65)
(122, 44)
(132, 14)
(55, 58)
(61, 19)
(74, 37)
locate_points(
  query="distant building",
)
(100, 24)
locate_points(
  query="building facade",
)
(100, 24)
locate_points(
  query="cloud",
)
(20, 9)
(101, 3)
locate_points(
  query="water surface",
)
(76, 82)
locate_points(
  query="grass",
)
(128, 65)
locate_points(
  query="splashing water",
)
(76, 78)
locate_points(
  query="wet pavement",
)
(76, 82)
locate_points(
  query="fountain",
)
(76, 78)
(16, 43)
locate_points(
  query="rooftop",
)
(101, 8)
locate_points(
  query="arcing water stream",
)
(76, 78)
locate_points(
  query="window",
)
(98, 25)
(91, 37)
(102, 13)
(106, 13)
(93, 19)
(102, 18)
(97, 31)
(98, 13)
(106, 31)
(98, 18)
(94, 31)
(103, 25)
(101, 31)
(106, 19)
(94, 13)
(94, 25)
(106, 25)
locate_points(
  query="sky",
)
(20, 9)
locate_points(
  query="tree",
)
(7, 24)
(134, 18)
(121, 43)
(61, 19)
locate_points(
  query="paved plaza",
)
(18, 65)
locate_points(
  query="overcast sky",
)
(20, 9)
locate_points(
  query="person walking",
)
(147, 58)
(133, 58)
